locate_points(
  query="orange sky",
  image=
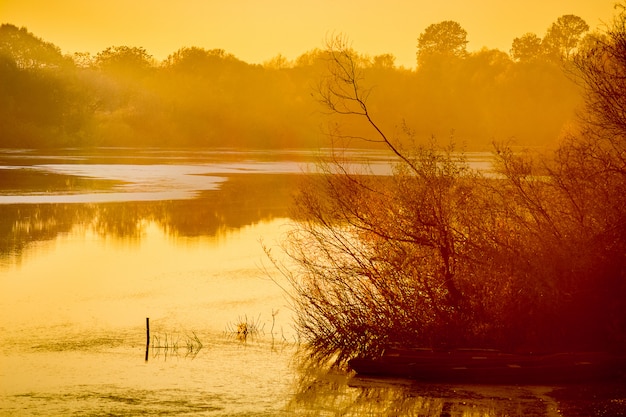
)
(255, 31)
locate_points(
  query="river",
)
(94, 243)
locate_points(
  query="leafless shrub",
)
(438, 255)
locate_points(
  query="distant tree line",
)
(207, 97)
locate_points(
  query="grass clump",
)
(244, 328)
(190, 344)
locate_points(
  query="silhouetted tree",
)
(42, 104)
(601, 67)
(29, 51)
(563, 36)
(124, 61)
(444, 39)
(527, 48)
(200, 61)
(83, 59)
(594, 172)
(278, 62)
(310, 58)
(386, 61)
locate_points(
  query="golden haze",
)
(255, 31)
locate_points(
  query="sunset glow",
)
(256, 31)
(246, 207)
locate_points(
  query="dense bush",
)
(529, 257)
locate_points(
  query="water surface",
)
(85, 257)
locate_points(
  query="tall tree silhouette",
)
(526, 48)
(444, 39)
(563, 36)
(29, 51)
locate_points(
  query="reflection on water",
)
(241, 201)
(325, 393)
(78, 281)
(72, 336)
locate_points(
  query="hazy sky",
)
(255, 31)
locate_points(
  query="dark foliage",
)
(530, 257)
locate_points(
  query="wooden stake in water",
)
(147, 337)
